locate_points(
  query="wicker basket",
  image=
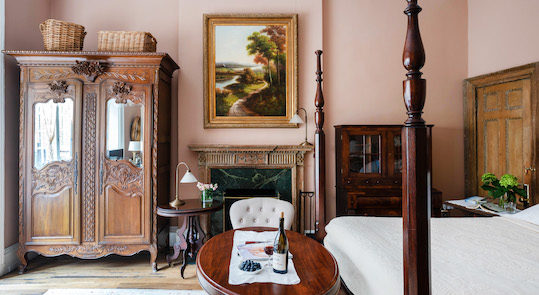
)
(125, 41)
(62, 36)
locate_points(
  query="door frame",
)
(470, 85)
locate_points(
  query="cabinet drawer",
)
(374, 181)
(357, 202)
(375, 212)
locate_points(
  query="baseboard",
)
(11, 261)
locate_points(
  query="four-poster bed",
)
(381, 255)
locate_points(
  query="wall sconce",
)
(296, 119)
(188, 177)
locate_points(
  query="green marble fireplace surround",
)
(278, 167)
(279, 180)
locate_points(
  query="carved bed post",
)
(319, 155)
(416, 164)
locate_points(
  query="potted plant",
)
(207, 191)
(505, 189)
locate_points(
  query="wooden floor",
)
(109, 272)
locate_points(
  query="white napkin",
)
(238, 277)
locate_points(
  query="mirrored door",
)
(53, 132)
(124, 172)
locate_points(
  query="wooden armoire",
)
(500, 128)
(94, 152)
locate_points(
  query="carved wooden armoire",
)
(94, 158)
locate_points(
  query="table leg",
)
(195, 240)
(180, 244)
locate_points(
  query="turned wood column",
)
(319, 154)
(416, 164)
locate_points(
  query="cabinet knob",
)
(348, 181)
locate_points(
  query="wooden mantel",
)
(214, 156)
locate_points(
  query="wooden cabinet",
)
(94, 152)
(368, 170)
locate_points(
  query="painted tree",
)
(262, 46)
(277, 35)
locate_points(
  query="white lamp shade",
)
(188, 177)
(135, 146)
(296, 119)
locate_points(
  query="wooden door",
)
(53, 149)
(504, 131)
(125, 160)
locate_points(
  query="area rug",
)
(122, 292)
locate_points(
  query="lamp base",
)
(177, 203)
(306, 143)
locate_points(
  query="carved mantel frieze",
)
(250, 155)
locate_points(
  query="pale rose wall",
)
(502, 34)
(191, 130)
(22, 20)
(363, 75)
(363, 72)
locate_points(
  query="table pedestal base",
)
(190, 243)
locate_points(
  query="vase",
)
(510, 207)
(206, 197)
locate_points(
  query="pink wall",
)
(22, 20)
(190, 97)
(363, 41)
(502, 34)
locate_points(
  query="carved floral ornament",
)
(90, 69)
(58, 88)
(121, 90)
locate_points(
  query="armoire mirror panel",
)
(124, 137)
(53, 132)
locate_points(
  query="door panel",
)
(125, 193)
(504, 131)
(52, 202)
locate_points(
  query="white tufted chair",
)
(261, 212)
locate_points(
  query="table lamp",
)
(188, 177)
(135, 147)
(296, 119)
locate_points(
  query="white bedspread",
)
(475, 256)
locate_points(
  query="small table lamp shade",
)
(135, 146)
(188, 177)
(296, 119)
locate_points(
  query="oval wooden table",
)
(316, 267)
(191, 210)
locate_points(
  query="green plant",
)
(506, 185)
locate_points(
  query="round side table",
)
(193, 240)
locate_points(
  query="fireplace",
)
(264, 167)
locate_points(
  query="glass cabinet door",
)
(396, 146)
(364, 154)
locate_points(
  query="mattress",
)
(494, 255)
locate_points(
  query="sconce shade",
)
(188, 177)
(296, 119)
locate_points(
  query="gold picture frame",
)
(254, 82)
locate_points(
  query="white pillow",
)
(530, 215)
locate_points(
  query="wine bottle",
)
(280, 249)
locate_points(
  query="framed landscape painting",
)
(250, 70)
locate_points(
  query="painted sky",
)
(231, 43)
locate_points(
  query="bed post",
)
(319, 155)
(416, 164)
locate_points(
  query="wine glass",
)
(269, 251)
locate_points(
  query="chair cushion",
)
(261, 212)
